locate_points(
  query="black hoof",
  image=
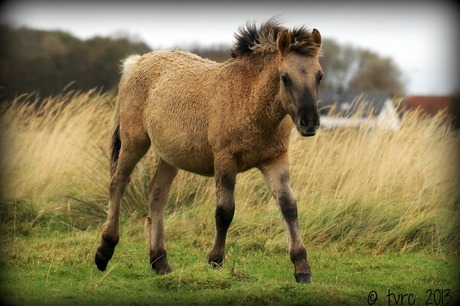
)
(303, 278)
(104, 253)
(216, 265)
(216, 262)
(101, 263)
(159, 262)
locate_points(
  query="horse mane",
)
(261, 38)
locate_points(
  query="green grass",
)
(55, 267)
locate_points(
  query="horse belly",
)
(183, 149)
(189, 159)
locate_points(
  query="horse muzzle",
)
(308, 125)
(307, 116)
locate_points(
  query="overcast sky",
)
(421, 37)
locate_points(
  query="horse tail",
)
(115, 144)
(115, 147)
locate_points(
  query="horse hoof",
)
(101, 263)
(160, 266)
(161, 270)
(303, 278)
(159, 262)
(216, 262)
(216, 265)
(105, 252)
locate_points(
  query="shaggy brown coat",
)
(216, 120)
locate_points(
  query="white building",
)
(354, 109)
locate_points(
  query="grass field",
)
(57, 268)
(378, 211)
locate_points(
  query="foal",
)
(216, 120)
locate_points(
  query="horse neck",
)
(251, 90)
(264, 101)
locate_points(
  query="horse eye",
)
(319, 78)
(286, 80)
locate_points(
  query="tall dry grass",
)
(55, 148)
(356, 188)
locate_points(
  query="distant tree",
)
(339, 63)
(350, 68)
(47, 61)
(377, 74)
(218, 53)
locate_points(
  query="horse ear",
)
(316, 37)
(283, 42)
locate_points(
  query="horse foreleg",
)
(276, 174)
(225, 209)
(159, 191)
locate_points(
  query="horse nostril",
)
(303, 122)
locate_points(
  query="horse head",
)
(300, 75)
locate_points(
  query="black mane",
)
(263, 36)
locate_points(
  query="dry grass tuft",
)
(356, 188)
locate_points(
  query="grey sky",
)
(421, 37)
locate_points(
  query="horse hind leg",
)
(159, 191)
(130, 152)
